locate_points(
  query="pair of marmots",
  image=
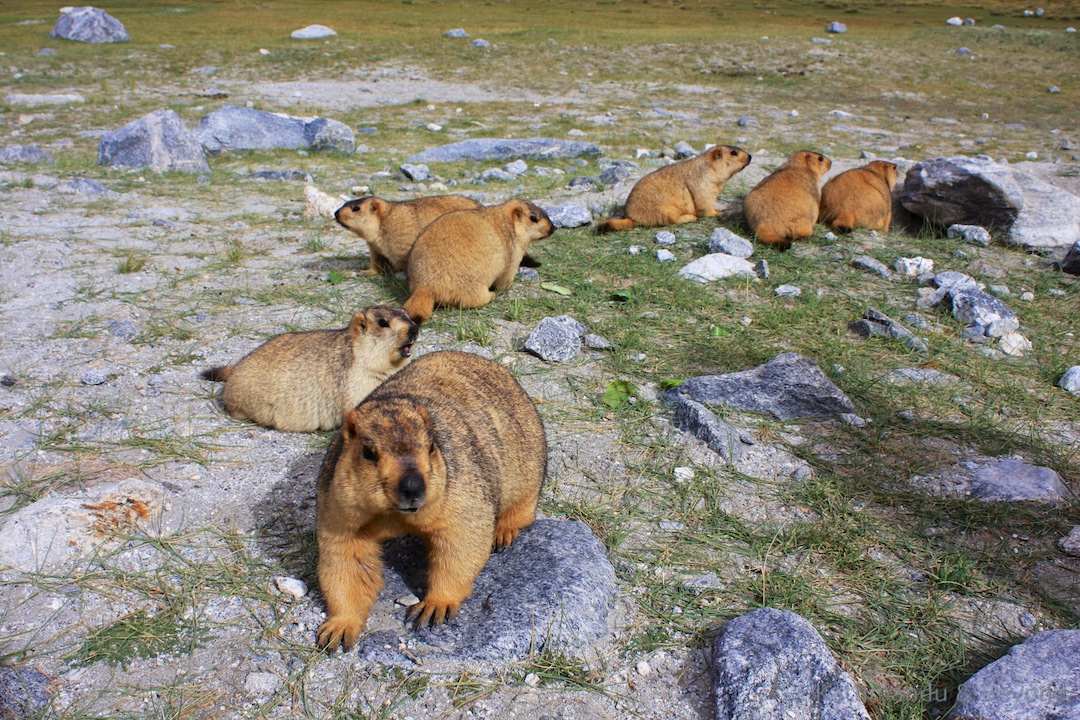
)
(785, 205)
(455, 251)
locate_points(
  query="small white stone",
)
(407, 600)
(1032, 155)
(664, 255)
(643, 668)
(635, 249)
(291, 587)
(1014, 344)
(433, 127)
(532, 679)
(746, 321)
(683, 474)
(264, 51)
(1027, 296)
(794, 113)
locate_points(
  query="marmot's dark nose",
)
(410, 492)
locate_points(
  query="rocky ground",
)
(176, 535)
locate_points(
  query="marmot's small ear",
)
(378, 207)
(423, 413)
(358, 326)
(349, 425)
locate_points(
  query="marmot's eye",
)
(383, 322)
(534, 218)
(369, 454)
(734, 153)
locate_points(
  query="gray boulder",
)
(865, 262)
(24, 692)
(87, 187)
(36, 100)
(787, 387)
(1015, 480)
(456, 33)
(724, 241)
(500, 149)
(1071, 262)
(1070, 381)
(552, 589)
(158, 141)
(556, 339)
(836, 27)
(416, 173)
(24, 154)
(242, 128)
(876, 323)
(567, 216)
(772, 664)
(89, 25)
(977, 191)
(1036, 680)
(983, 311)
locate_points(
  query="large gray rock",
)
(158, 141)
(24, 154)
(50, 534)
(787, 387)
(551, 590)
(1070, 381)
(89, 25)
(1015, 480)
(501, 149)
(977, 191)
(24, 692)
(724, 241)
(242, 128)
(983, 311)
(37, 100)
(556, 339)
(1037, 680)
(773, 664)
(567, 216)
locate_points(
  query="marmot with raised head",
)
(681, 192)
(306, 381)
(462, 257)
(450, 449)
(861, 197)
(390, 228)
(784, 206)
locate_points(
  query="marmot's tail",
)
(529, 261)
(420, 305)
(612, 224)
(220, 373)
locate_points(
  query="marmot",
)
(390, 228)
(462, 255)
(450, 449)
(306, 381)
(784, 206)
(681, 192)
(859, 198)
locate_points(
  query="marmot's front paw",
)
(339, 631)
(436, 613)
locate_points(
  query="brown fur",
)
(462, 256)
(859, 198)
(306, 381)
(784, 206)
(681, 192)
(452, 450)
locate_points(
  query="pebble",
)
(293, 587)
(664, 238)
(683, 474)
(1027, 296)
(831, 236)
(664, 256)
(634, 249)
(1032, 155)
(532, 680)
(407, 600)
(788, 291)
(95, 377)
(480, 43)
(643, 668)
(1027, 620)
(1054, 89)
(964, 52)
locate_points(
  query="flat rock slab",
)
(552, 589)
(567, 216)
(1037, 680)
(242, 128)
(725, 440)
(54, 532)
(717, 266)
(312, 32)
(37, 100)
(30, 154)
(497, 149)
(1012, 480)
(787, 387)
(24, 692)
(978, 191)
(773, 664)
(724, 241)
(89, 25)
(159, 141)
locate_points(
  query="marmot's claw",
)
(435, 614)
(336, 632)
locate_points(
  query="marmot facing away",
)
(306, 381)
(680, 193)
(390, 228)
(861, 197)
(450, 449)
(784, 206)
(461, 256)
